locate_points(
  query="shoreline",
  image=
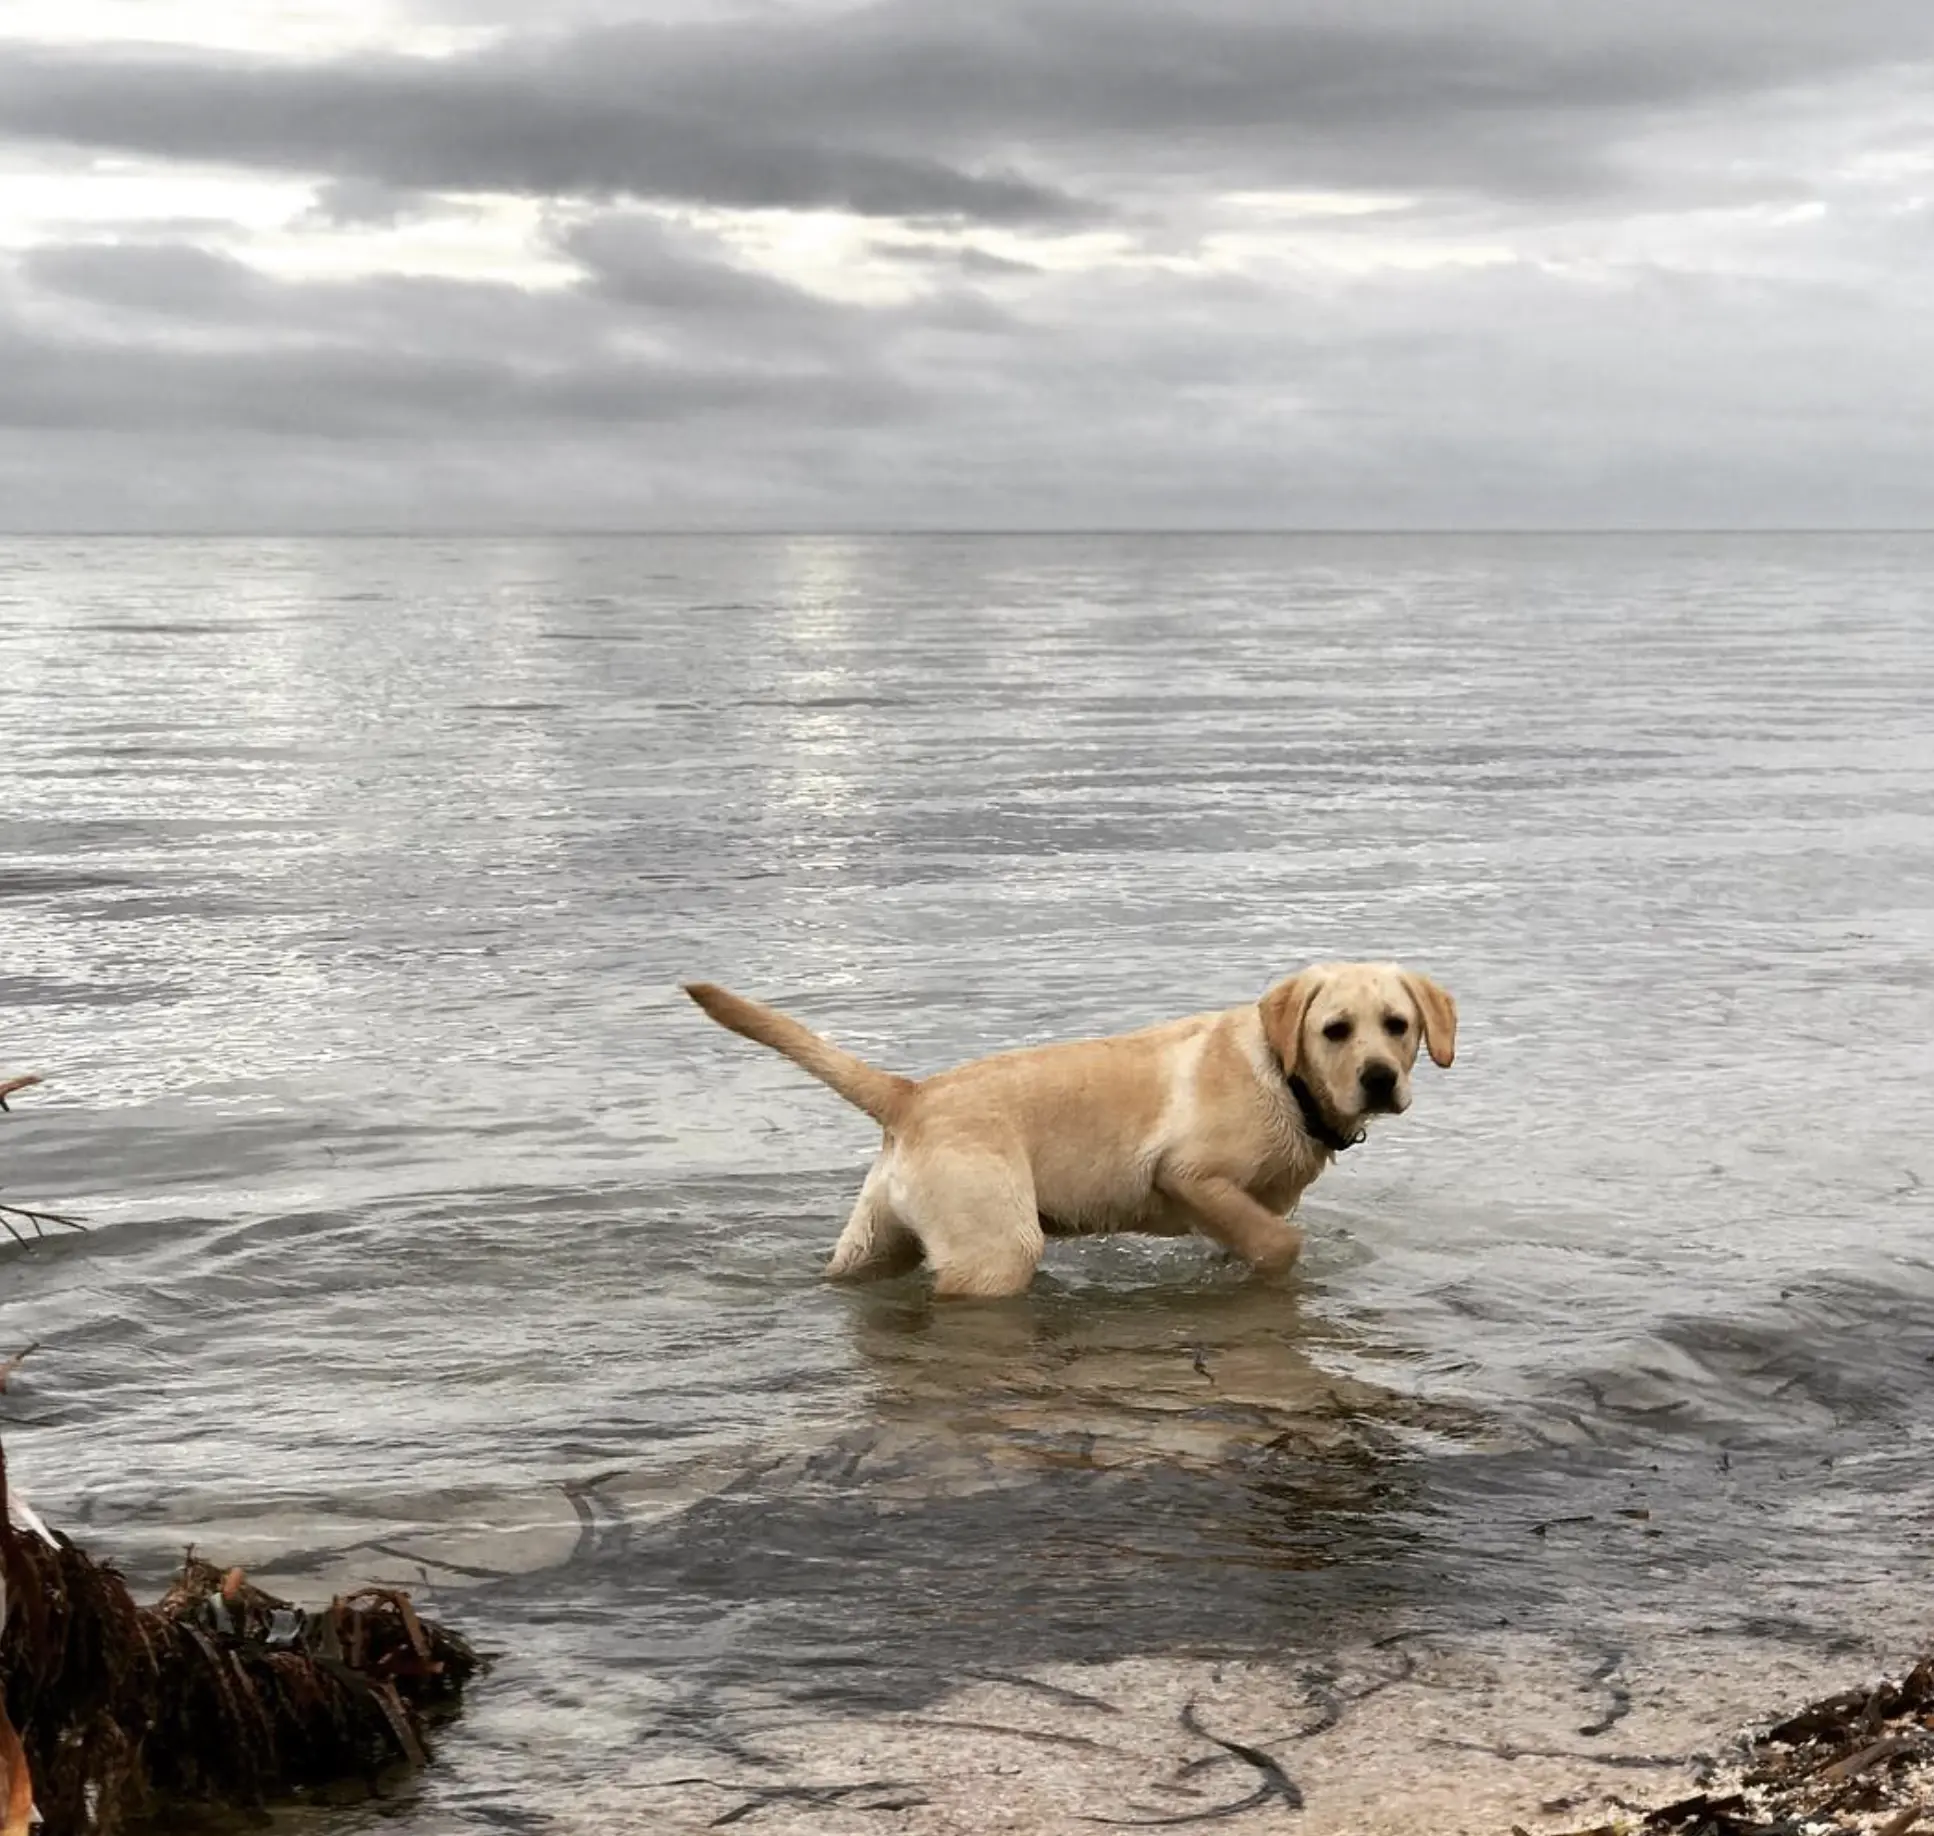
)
(1449, 1742)
(1420, 1719)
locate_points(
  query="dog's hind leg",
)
(976, 1220)
(874, 1244)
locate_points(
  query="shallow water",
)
(346, 886)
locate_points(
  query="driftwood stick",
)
(15, 1218)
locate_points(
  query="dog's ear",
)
(1440, 1016)
(1284, 1009)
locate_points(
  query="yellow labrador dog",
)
(1214, 1124)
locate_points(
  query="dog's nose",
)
(1379, 1081)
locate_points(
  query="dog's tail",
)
(879, 1093)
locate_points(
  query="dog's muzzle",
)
(1378, 1082)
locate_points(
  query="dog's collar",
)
(1315, 1124)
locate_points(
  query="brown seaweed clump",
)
(220, 1693)
(1861, 1761)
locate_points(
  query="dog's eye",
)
(1339, 1030)
(1395, 1025)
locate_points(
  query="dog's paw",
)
(1280, 1258)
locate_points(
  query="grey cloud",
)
(95, 340)
(644, 261)
(1010, 111)
(356, 392)
(688, 284)
(166, 279)
(1117, 399)
(1772, 372)
(349, 203)
(966, 259)
(980, 261)
(496, 121)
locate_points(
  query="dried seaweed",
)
(1273, 1786)
(818, 1797)
(220, 1693)
(1607, 1673)
(1861, 1759)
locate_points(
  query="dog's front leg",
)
(1229, 1216)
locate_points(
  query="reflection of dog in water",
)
(1215, 1123)
(1206, 1374)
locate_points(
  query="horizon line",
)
(751, 532)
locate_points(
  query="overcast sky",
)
(289, 264)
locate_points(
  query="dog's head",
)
(1351, 1031)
